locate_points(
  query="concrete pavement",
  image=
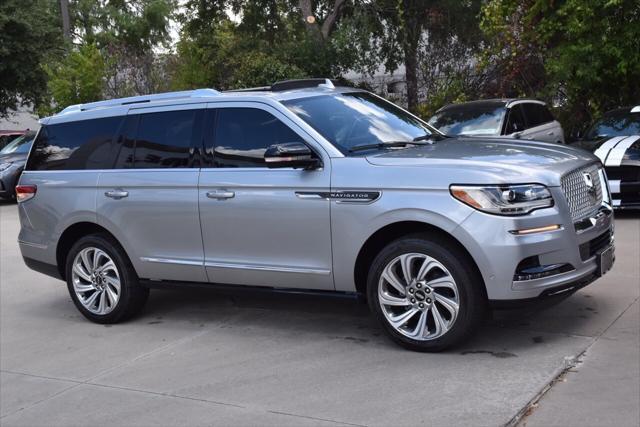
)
(199, 357)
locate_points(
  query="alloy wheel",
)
(418, 296)
(96, 280)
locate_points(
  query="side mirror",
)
(290, 155)
(517, 135)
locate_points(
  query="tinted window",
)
(536, 114)
(470, 119)
(242, 135)
(167, 139)
(126, 142)
(615, 123)
(515, 121)
(357, 118)
(84, 144)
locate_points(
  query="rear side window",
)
(167, 139)
(242, 135)
(536, 114)
(85, 144)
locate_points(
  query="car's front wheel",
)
(424, 293)
(102, 281)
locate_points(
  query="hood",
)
(13, 157)
(492, 159)
(614, 151)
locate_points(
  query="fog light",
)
(530, 269)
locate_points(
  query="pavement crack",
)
(315, 418)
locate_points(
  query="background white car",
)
(509, 118)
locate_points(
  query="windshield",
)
(469, 119)
(617, 123)
(356, 119)
(21, 144)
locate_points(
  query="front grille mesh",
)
(581, 199)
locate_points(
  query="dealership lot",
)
(200, 357)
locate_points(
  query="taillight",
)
(25, 192)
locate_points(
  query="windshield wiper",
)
(385, 144)
(430, 136)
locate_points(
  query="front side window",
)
(469, 119)
(356, 119)
(515, 120)
(242, 135)
(617, 123)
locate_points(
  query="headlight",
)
(504, 199)
(4, 166)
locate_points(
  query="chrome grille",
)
(582, 199)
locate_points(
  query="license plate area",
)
(605, 258)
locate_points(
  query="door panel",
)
(256, 230)
(157, 221)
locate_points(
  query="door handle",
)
(220, 194)
(116, 194)
(551, 133)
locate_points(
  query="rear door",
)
(541, 126)
(260, 226)
(150, 198)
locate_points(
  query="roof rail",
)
(302, 83)
(197, 93)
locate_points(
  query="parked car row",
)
(362, 198)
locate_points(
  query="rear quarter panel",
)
(63, 198)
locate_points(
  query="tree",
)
(410, 32)
(76, 79)
(29, 32)
(592, 53)
(583, 55)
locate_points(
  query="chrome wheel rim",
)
(96, 280)
(418, 296)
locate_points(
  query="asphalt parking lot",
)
(198, 357)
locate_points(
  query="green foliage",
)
(77, 78)
(583, 55)
(26, 38)
(594, 51)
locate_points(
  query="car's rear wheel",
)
(102, 281)
(425, 294)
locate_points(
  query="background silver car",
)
(509, 118)
(304, 186)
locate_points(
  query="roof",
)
(278, 92)
(491, 103)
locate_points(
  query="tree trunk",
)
(411, 75)
(412, 33)
(66, 22)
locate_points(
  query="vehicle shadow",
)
(502, 334)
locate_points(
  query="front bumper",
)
(500, 254)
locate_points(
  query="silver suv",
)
(307, 186)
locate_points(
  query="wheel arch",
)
(390, 232)
(71, 235)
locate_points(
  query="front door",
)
(150, 199)
(261, 226)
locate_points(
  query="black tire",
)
(132, 296)
(472, 302)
